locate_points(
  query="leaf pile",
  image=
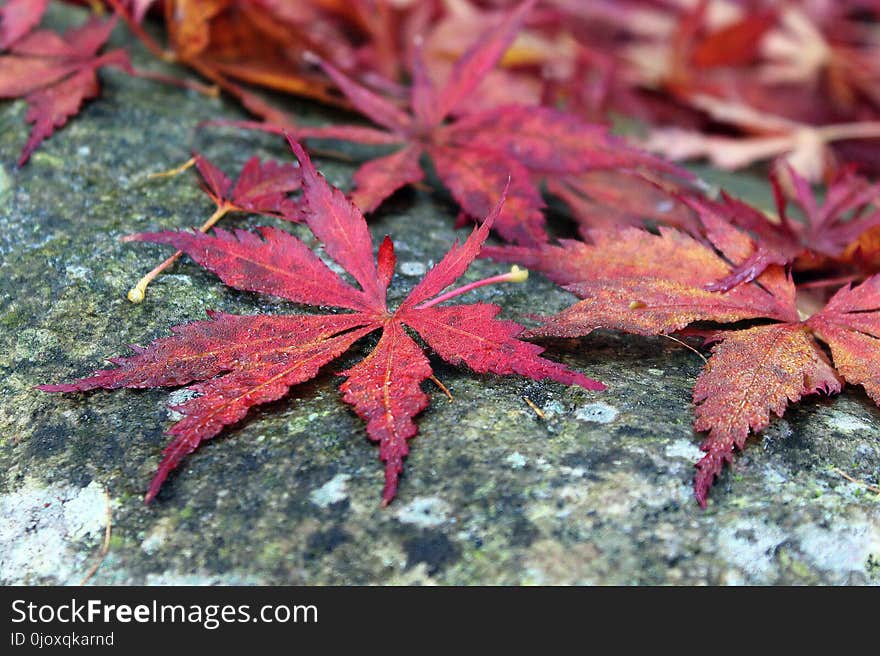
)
(476, 153)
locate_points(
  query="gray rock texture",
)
(596, 492)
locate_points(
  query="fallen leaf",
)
(655, 284)
(805, 147)
(55, 74)
(243, 361)
(261, 188)
(828, 228)
(611, 199)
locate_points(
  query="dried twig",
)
(871, 488)
(534, 407)
(105, 546)
(687, 346)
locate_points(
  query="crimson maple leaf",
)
(828, 230)
(55, 74)
(261, 188)
(17, 18)
(475, 154)
(247, 360)
(647, 284)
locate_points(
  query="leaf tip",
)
(708, 469)
(63, 387)
(393, 469)
(155, 486)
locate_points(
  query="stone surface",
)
(597, 492)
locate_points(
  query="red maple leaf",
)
(648, 284)
(17, 18)
(476, 154)
(828, 230)
(247, 360)
(55, 74)
(261, 188)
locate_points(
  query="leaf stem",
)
(842, 131)
(442, 387)
(192, 85)
(540, 413)
(151, 44)
(175, 171)
(514, 275)
(137, 293)
(687, 346)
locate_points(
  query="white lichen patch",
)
(572, 472)
(553, 409)
(684, 449)
(551, 563)
(201, 578)
(516, 460)
(48, 533)
(750, 545)
(424, 512)
(774, 477)
(600, 413)
(842, 549)
(30, 341)
(847, 423)
(78, 272)
(333, 491)
(5, 182)
(413, 268)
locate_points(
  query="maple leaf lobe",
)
(17, 18)
(752, 373)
